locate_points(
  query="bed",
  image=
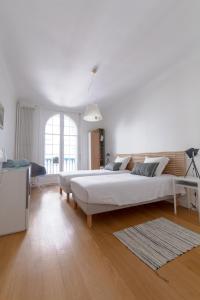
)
(126, 190)
(65, 177)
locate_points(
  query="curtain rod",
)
(49, 108)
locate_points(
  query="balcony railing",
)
(52, 165)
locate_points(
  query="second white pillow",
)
(123, 160)
(163, 161)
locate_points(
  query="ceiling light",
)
(92, 113)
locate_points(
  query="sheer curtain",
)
(24, 132)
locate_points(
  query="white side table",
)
(189, 183)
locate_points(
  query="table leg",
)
(174, 190)
(188, 197)
(68, 196)
(198, 201)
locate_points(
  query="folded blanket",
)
(16, 163)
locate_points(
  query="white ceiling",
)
(51, 45)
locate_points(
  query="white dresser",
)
(14, 200)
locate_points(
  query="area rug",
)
(159, 241)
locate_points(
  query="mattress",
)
(65, 177)
(122, 189)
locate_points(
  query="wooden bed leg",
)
(68, 197)
(60, 191)
(89, 221)
(74, 204)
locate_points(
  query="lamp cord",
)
(93, 72)
(91, 83)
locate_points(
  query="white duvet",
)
(65, 177)
(122, 189)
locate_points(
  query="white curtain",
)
(24, 132)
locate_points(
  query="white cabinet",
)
(14, 200)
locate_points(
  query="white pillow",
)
(123, 160)
(163, 161)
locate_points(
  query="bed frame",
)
(176, 166)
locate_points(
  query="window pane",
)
(66, 130)
(52, 145)
(66, 140)
(70, 127)
(48, 149)
(56, 149)
(56, 129)
(48, 139)
(48, 129)
(56, 139)
(70, 144)
(56, 120)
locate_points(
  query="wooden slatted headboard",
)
(176, 165)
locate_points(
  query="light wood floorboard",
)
(59, 257)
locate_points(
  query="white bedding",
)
(65, 177)
(122, 189)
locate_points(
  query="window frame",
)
(62, 116)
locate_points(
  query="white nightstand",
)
(190, 183)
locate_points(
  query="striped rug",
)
(159, 241)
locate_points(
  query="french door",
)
(61, 144)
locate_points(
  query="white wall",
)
(7, 99)
(162, 116)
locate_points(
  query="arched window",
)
(61, 144)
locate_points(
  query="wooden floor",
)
(60, 258)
